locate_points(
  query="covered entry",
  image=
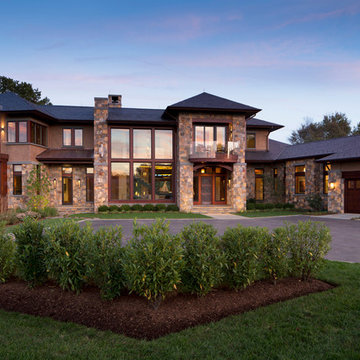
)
(352, 191)
(210, 185)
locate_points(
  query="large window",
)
(26, 132)
(259, 184)
(327, 168)
(276, 179)
(300, 179)
(250, 141)
(206, 136)
(90, 184)
(72, 137)
(67, 185)
(17, 180)
(141, 165)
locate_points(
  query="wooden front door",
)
(352, 195)
(206, 190)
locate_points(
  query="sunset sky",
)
(293, 59)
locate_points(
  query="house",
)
(205, 150)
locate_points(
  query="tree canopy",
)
(24, 89)
(332, 126)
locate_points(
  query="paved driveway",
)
(345, 233)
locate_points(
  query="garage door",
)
(352, 195)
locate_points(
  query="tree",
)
(24, 89)
(38, 188)
(356, 130)
(332, 126)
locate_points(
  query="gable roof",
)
(206, 101)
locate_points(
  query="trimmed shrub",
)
(160, 207)
(149, 207)
(315, 201)
(260, 206)
(153, 261)
(275, 255)
(65, 255)
(250, 201)
(47, 211)
(103, 208)
(104, 256)
(242, 247)
(289, 206)
(269, 206)
(30, 252)
(7, 254)
(279, 205)
(114, 208)
(204, 260)
(137, 207)
(125, 207)
(250, 206)
(309, 242)
(172, 208)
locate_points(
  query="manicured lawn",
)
(318, 326)
(265, 213)
(141, 215)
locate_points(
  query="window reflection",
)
(11, 131)
(163, 181)
(163, 144)
(120, 181)
(142, 144)
(142, 181)
(120, 143)
(78, 137)
(22, 131)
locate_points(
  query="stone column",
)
(238, 178)
(185, 175)
(101, 141)
(336, 195)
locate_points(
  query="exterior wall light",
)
(54, 183)
(332, 185)
(79, 182)
(202, 171)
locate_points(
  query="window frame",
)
(72, 137)
(67, 176)
(250, 133)
(326, 170)
(259, 176)
(43, 137)
(17, 173)
(152, 160)
(215, 139)
(89, 177)
(300, 174)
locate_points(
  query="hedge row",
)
(138, 207)
(156, 262)
(251, 204)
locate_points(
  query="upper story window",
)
(72, 137)
(250, 141)
(300, 179)
(26, 132)
(327, 168)
(206, 136)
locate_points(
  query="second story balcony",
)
(212, 151)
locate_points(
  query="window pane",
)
(67, 190)
(22, 131)
(38, 134)
(259, 188)
(120, 143)
(220, 138)
(89, 170)
(17, 168)
(120, 181)
(250, 141)
(220, 186)
(142, 144)
(300, 184)
(142, 181)
(259, 172)
(32, 132)
(199, 135)
(66, 137)
(67, 170)
(163, 144)
(11, 131)
(90, 188)
(300, 168)
(209, 135)
(163, 181)
(326, 184)
(78, 137)
(196, 188)
(17, 184)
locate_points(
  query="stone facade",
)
(336, 195)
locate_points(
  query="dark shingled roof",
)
(205, 101)
(71, 156)
(258, 123)
(64, 112)
(275, 149)
(138, 115)
(10, 101)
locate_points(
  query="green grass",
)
(141, 215)
(277, 212)
(319, 326)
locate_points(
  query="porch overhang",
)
(67, 156)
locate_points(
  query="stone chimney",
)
(114, 101)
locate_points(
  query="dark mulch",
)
(133, 316)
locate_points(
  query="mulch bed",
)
(132, 316)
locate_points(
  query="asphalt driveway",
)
(345, 233)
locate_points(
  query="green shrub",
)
(153, 261)
(103, 208)
(9, 217)
(137, 207)
(250, 201)
(309, 242)
(125, 207)
(47, 211)
(269, 206)
(289, 206)
(172, 207)
(242, 247)
(149, 207)
(260, 206)
(204, 260)
(250, 206)
(29, 258)
(104, 256)
(315, 201)
(160, 207)
(65, 255)
(275, 255)
(114, 208)
(279, 205)
(7, 254)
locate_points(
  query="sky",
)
(293, 59)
